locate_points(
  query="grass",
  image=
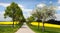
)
(7, 27)
(48, 29)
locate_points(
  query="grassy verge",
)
(9, 28)
(47, 29)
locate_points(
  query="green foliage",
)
(31, 19)
(14, 11)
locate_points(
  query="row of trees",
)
(53, 21)
(44, 13)
(15, 12)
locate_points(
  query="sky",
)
(27, 6)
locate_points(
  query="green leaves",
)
(31, 19)
(13, 10)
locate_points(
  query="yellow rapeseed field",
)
(46, 25)
(9, 22)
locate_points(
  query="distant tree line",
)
(52, 21)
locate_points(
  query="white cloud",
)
(7, 4)
(59, 1)
(58, 8)
(57, 17)
(4, 4)
(2, 17)
(50, 2)
(1, 12)
(27, 13)
(21, 6)
(41, 5)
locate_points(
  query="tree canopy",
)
(44, 13)
(31, 19)
(14, 11)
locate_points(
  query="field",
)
(3, 23)
(49, 28)
(7, 27)
(46, 25)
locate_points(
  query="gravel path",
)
(24, 29)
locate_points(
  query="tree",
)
(44, 13)
(30, 19)
(37, 16)
(14, 11)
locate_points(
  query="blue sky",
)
(27, 5)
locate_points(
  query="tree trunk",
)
(13, 23)
(19, 22)
(38, 25)
(13, 17)
(43, 28)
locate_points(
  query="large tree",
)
(14, 11)
(44, 13)
(37, 16)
